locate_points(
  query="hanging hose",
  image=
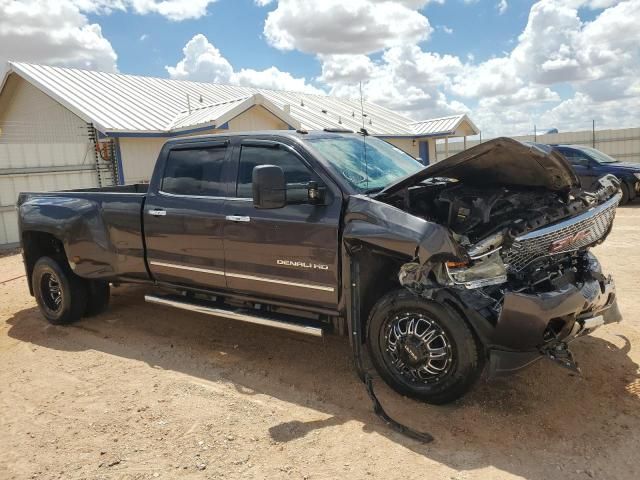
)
(363, 374)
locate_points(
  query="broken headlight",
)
(489, 270)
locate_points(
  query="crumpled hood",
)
(499, 162)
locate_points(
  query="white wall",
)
(139, 154)
(622, 144)
(139, 157)
(38, 138)
(406, 145)
(256, 118)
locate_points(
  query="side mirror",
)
(269, 187)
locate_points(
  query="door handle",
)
(238, 218)
(157, 212)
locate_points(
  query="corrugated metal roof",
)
(129, 103)
(219, 113)
(208, 114)
(443, 125)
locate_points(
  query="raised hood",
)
(501, 161)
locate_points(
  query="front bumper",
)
(530, 323)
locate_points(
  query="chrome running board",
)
(243, 315)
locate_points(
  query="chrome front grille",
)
(567, 236)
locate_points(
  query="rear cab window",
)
(195, 171)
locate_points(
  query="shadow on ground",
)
(510, 424)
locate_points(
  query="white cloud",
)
(55, 33)
(407, 79)
(274, 79)
(597, 61)
(176, 10)
(263, 3)
(345, 68)
(203, 62)
(345, 27)
(502, 6)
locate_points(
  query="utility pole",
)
(535, 133)
(593, 133)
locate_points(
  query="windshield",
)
(597, 155)
(384, 163)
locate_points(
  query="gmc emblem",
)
(566, 242)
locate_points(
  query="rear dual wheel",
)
(62, 296)
(422, 349)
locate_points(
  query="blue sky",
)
(235, 27)
(509, 64)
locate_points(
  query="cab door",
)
(290, 253)
(184, 216)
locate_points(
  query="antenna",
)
(364, 138)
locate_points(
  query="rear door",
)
(289, 253)
(184, 216)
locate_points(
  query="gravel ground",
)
(146, 392)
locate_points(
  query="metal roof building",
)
(71, 128)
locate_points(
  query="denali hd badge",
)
(569, 240)
(300, 264)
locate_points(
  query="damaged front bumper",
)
(531, 326)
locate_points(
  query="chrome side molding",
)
(241, 315)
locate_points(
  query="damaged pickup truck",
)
(480, 260)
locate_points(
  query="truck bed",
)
(100, 228)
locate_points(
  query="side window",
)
(295, 172)
(195, 171)
(574, 157)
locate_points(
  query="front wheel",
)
(61, 295)
(422, 349)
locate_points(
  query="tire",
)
(625, 193)
(61, 295)
(98, 295)
(437, 371)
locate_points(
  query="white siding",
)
(406, 145)
(139, 157)
(622, 144)
(12, 185)
(256, 118)
(38, 134)
(139, 154)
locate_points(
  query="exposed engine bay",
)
(505, 232)
(524, 244)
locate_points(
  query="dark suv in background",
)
(591, 164)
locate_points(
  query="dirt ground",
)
(142, 391)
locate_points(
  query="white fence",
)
(622, 144)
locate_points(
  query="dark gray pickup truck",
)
(480, 260)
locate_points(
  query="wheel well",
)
(40, 244)
(378, 275)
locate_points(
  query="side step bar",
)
(243, 315)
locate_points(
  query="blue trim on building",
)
(224, 126)
(424, 151)
(119, 160)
